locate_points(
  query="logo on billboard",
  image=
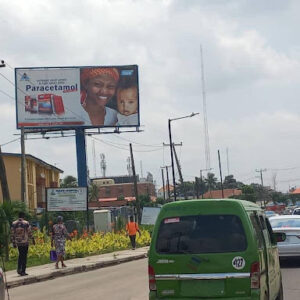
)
(24, 77)
(126, 72)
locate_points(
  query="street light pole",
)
(172, 158)
(171, 147)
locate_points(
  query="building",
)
(39, 175)
(121, 191)
(160, 192)
(217, 194)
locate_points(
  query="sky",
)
(251, 65)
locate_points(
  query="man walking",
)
(132, 228)
(20, 235)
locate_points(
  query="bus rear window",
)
(201, 234)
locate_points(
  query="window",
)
(259, 236)
(201, 234)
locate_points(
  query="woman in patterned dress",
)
(59, 235)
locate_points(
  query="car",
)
(2, 285)
(214, 249)
(296, 211)
(270, 213)
(290, 225)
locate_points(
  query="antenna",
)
(129, 166)
(206, 136)
(141, 165)
(103, 164)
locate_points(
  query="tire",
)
(280, 293)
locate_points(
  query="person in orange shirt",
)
(132, 228)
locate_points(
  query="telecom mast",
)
(103, 164)
(206, 136)
(129, 166)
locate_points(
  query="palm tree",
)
(211, 181)
(93, 192)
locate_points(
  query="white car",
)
(2, 285)
(270, 213)
(290, 225)
(296, 211)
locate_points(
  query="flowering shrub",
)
(83, 245)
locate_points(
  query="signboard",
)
(149, 215)
(67, 199)
(72, 97)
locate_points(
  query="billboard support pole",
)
(81, 158)
(81, 165)
(23, 168)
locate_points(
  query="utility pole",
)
(172, 159)
(3, 178)
(172, 165)
(179, 171)
(262, 182)
(163, 183)
(23, 167)
(168, 183)
(197, 187)
(220, 168)
(137, 201)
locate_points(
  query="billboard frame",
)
(40, 129)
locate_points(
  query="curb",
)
(71, 270)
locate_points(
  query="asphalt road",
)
(291, 279)
(128, 281)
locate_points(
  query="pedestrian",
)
(58, 239)
(132, 228)
(20, 235)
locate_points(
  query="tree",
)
(186, 188)
(69, 182)
(248, 193)
(93, 192)
(231, 183)
(211, 181)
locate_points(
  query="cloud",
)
(251, 71)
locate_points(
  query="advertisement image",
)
(72, 97)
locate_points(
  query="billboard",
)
(72, 97)
(66, 199)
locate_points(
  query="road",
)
(127, 281)
(291, 279)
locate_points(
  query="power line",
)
(10, 142)
(141, 144)
(126, 149)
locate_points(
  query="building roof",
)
(166, 188)
(129, 199)
(296, 191)
(119, 179)
(35, 159)
(218, 193)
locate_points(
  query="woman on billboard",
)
(98, 87)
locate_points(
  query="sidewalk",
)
(76, 265)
